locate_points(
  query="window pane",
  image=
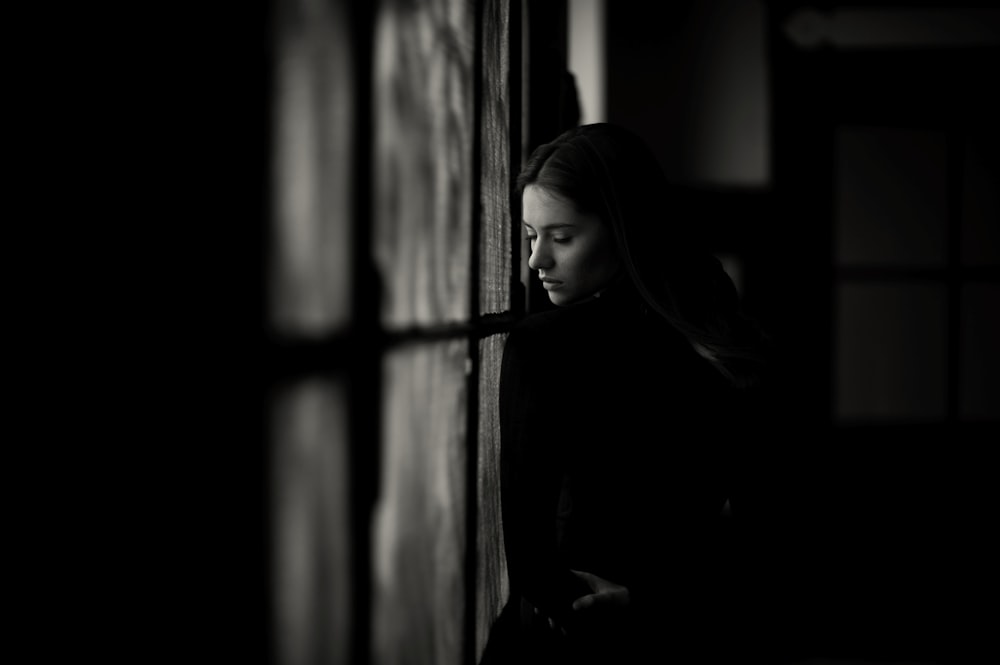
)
(310, 241)
(491, 586)
(495, 243)
(891, 197)
(980, 204)
(419, 522)
(423, 160)
(890, 352)
(980, 356)
(310, 524)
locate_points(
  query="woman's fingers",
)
(605, 592)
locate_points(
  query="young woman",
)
(617, 411)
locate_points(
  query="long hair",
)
(607, 170)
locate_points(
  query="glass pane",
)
(981, 200)
(979, 390)
(310, 523)
(890, 353)
(891, 197)
(419, 521)
(310, 240)
(495, 242)
(423, 159)
(491, 587)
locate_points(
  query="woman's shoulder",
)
(551, 335)
(537, 329)
(539, 323)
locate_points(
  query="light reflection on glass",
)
(423, 160)
(310, 239)
(310, 524)
(419, 522)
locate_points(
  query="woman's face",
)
(574, 254)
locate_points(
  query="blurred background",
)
(844, 161)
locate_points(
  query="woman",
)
(617, 407)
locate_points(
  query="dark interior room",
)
(843, 159)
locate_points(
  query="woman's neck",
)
(614, 285)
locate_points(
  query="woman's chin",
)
(562, 299)
(557, 298)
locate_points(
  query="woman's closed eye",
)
(561, 239)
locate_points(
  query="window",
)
(391, 282)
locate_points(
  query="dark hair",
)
(607, 170)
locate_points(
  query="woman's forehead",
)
(540, 207)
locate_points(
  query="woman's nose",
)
(540, 257)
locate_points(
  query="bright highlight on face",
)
(574, 254)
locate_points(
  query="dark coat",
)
(615, 460)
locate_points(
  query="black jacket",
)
(615, 440)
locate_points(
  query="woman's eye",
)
(561, 240)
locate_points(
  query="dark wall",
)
(860, 529)
(690, 76)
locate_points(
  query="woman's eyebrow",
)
(549, 227)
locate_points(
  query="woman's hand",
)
(606, 595)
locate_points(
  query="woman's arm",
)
(532, 467)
